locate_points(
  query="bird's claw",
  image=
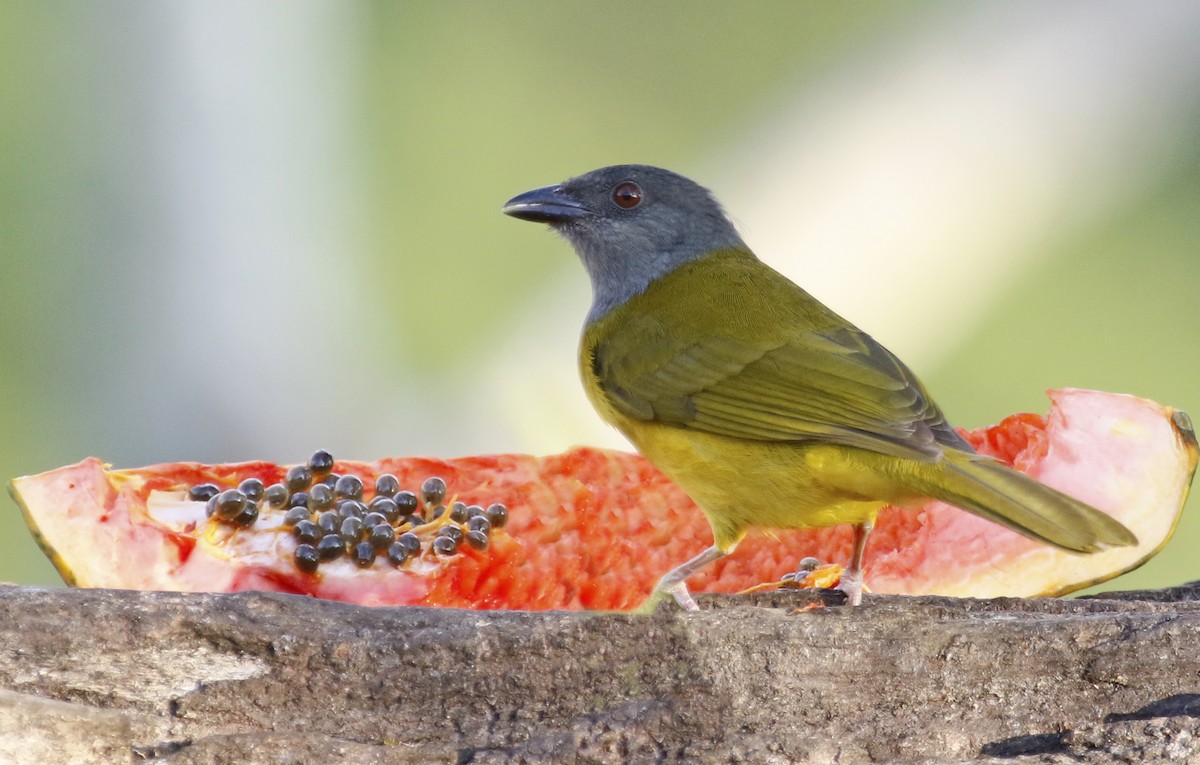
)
(679, 591)
(852, 585)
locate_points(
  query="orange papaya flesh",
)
(595, 529)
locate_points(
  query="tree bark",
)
(108, 676)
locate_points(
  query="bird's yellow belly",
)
(740, 483)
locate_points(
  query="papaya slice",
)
(595, 529)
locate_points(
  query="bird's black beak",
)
(547, 205)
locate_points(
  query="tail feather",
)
(1000, 494)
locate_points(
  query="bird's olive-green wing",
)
(832, 385)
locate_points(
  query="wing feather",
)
(819, 381)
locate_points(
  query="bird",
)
(767, 408)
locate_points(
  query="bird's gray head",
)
(630, 225)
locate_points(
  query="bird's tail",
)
(993, 491)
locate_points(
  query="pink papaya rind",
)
(1130, 457)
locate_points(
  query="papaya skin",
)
(56, 560)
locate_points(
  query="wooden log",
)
(106, 675)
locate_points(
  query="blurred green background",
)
(236, 230)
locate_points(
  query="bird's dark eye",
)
(627, 195)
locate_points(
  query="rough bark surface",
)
(103, 676)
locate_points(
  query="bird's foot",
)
(852, 584)
(677, 591)
(674, 582)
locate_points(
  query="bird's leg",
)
(674, 581)
(852, 577)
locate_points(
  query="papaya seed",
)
(276, 495)
(381, 535)
(386, 507)
(364, 554)
(453, 532)
(349, 486)
(477, 539)
(398, 553)
(203, 492)
(320, 464)
(230, 504)
(445, 545)
(386, 485)
(248, 515)
(320, 497)
(295, 515)
(308, 532)
(433, 491)
(498, 515)
(307, 558)
(351, 529)
(253, 488)
(331, 546)
(298, 478)
(410, 541)
(406, 502)
(329, 521)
